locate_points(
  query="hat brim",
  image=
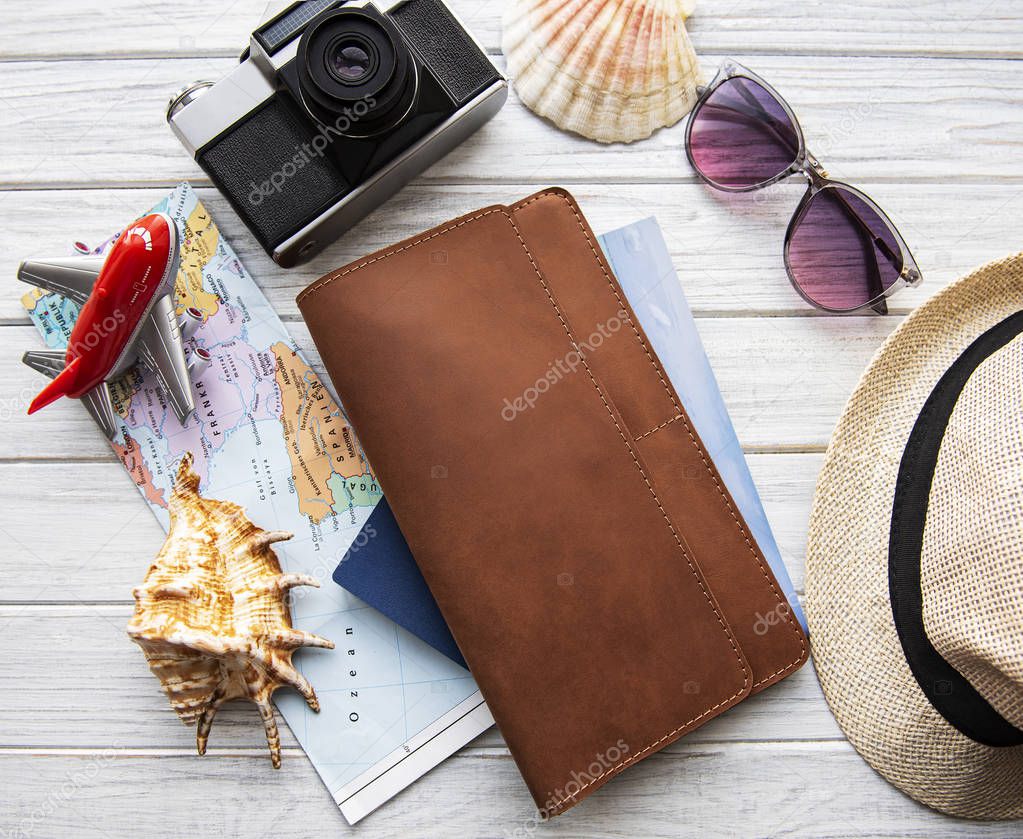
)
(857, 652)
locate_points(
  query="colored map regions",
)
(267, 435)
(53, 315)
(325, 456)
(198, 246)
(135, 463)
(362, 491)
(122, 390)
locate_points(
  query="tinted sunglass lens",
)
(841, 253)
(742, 136)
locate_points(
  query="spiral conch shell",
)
(611, 70)
(212, 616)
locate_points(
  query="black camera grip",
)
(446, 47)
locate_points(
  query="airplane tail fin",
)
(60, 386)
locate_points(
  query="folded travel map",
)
(268, 435)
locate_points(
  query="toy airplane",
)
(127, 315)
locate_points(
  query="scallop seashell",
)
(611, 70)
(212, 615)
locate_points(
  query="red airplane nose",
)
(60, 386)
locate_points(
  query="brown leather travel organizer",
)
(590, 563)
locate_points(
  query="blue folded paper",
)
(379, 568)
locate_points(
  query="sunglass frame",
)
(818, 180)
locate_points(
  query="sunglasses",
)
(842, 252)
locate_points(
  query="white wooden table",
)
(919, 103)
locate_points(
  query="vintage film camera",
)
(333, 108)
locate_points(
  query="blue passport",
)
(379, 568)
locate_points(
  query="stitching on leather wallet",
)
(557, 807)
(740, 664)
(664, 424)
(671, 527)
(621, 433)
(703, 455)
(802, 647)
(790, 620)
(325, 281)
(614, 290)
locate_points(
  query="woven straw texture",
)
(856, 650)
(971, 567)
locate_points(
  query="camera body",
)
(333, 108)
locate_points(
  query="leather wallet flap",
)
(665, 441)
(546, 538)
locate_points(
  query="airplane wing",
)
(70, 276)
(160, 347)
(97, 401)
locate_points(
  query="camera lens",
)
(350, 60)
(356, 72)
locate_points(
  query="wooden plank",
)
(786, 483)
(728, 252)
(103, 539)
(126, 27)
(106, 554)
(798, 790)
(848, 27)
(81, 682)
(114, 537)
(785, 381)
(844, 27)
(72, 122)
(88, 744)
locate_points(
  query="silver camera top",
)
(263, 42)
(249, 84)
(342, 102)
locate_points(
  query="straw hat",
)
(914, 583)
